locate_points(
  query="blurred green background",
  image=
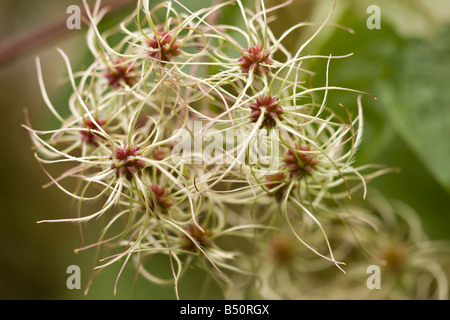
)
(405, 64)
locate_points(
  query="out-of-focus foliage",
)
(418, 101)
(408, 125)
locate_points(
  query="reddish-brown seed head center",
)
(301, 161)
(253, 58)
(273, 111)
(164, 47)
(125, 162)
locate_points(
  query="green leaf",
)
(410, 78)
(417, 101)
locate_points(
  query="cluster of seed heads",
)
(138, 103)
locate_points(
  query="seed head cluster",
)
(200, 144)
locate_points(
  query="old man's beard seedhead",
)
(170, 70)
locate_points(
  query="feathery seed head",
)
(125, 163)
(90, 137)
(255, 58)
(271, 108)
(202, 238)
(159, 199)
(164, 47)
(120, 72)
(277, 181)
(283, 250)
(300, 161)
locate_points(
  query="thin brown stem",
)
(17, 46)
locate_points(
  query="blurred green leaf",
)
(418, 101)
(410, 98)
(410, 79)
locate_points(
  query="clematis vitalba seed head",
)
(125, 163)
(271, 108)
(89, 137)
(121, 73)
(159, 199)
(164, 47)
(255, 58)
(300, 161)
